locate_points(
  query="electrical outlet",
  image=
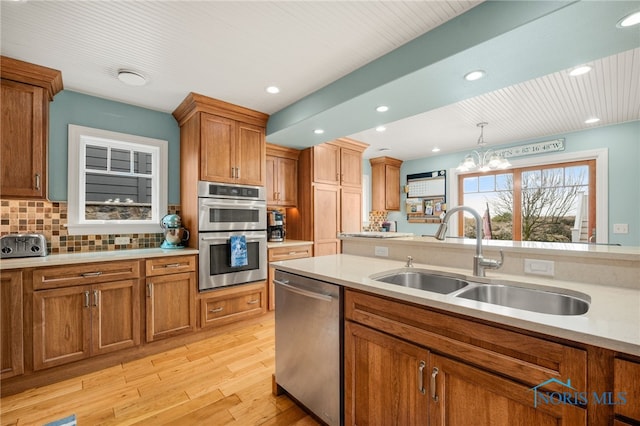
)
(382, 251)
(539, 267)
(620, 228)
(122, 241)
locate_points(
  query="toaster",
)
(22, 245)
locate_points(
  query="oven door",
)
(215, 259)
(217, 214)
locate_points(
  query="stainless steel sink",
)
(541, 301)
(422, 280)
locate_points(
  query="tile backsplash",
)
(376, 218)
(50, 219)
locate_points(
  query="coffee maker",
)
(275, 226)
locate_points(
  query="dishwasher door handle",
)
(303, 292)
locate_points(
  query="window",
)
(117, 182)
(539, 203)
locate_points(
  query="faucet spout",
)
(479, 262)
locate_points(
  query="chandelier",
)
(483, 159)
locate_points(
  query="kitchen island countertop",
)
(612, 322)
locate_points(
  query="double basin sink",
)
(545, 301)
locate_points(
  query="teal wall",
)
(74, 108)
(623, 144)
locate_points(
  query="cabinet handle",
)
(37, 181)
(421, 367)
(237, 172)
(216, 310)
(253, 302)
(86, 299)
(91, 274)
(434, 373)
(171, 265)
(95, 297)
(149, 289)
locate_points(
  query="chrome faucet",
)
(409, 262)
(479, 262)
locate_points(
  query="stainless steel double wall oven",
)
(227, 210)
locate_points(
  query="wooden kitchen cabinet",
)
(170, 296)
(476, 373)
(626, 378)
(282, 176)
(275, 254)
(385, 183)
(11, 346)
(338, 163)
(27, 90)
(233, 304)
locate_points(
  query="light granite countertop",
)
(93, 256)
(612, 322)
(288, 243)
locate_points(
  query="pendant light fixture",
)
(483, 159)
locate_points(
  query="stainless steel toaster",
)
(22, 245)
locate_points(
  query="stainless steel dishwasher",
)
(308, 343)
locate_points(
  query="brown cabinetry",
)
(626, 381)
(329, 195)
(81, 311)
(27, 90)
(282, 176)
(276, 254)
(474, 373)
(233, 304)
(385, 183)
(170, 294)
(11, 361)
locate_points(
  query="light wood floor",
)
(223, 380)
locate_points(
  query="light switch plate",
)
(122, 241)
(382, 251)
(539, 267)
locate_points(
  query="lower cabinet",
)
(406, 364)
(626, 382)
(275, 254)
(232, 304)
(170, 296)
(11, 353)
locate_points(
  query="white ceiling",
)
(232, 50)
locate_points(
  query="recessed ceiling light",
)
(591, 120)
(131, 78)
(380, 129)
(435, 149)
(272, 89)
(475, 75)
(318, 131)
(382, 108)
(582, 69)
(629, 20)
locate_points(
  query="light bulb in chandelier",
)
(483, 159)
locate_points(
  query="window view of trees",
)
(541, 203)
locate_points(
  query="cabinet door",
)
(170, 305)
(326, 219)
(271, 173)
(61, 326)
(326, 164)
(24, 140)
(350, 167)
(250, 153)
(464, 395)
(385, 379)
(626, 378)
(392, 187)
(351, 209)
(217, 149)
(11, 362)
(115, 319)
(287, 182)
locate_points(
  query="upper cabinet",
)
(282, 176)
(338, 162)
(27, 90)
(385, 183)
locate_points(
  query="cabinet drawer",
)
(170, 265)
(72, 275)
(530, 360)
(287, 253)
(233, 304)
(626, 378)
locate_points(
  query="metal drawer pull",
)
(216, 310)
(171, 265)
(91, 274)
(37, 181)
(434, 373)
(150, 289)
(95, 297)
(421, 367)
(86, 299)
(253, 302)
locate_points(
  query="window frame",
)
(601, 157)
(78, 138)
